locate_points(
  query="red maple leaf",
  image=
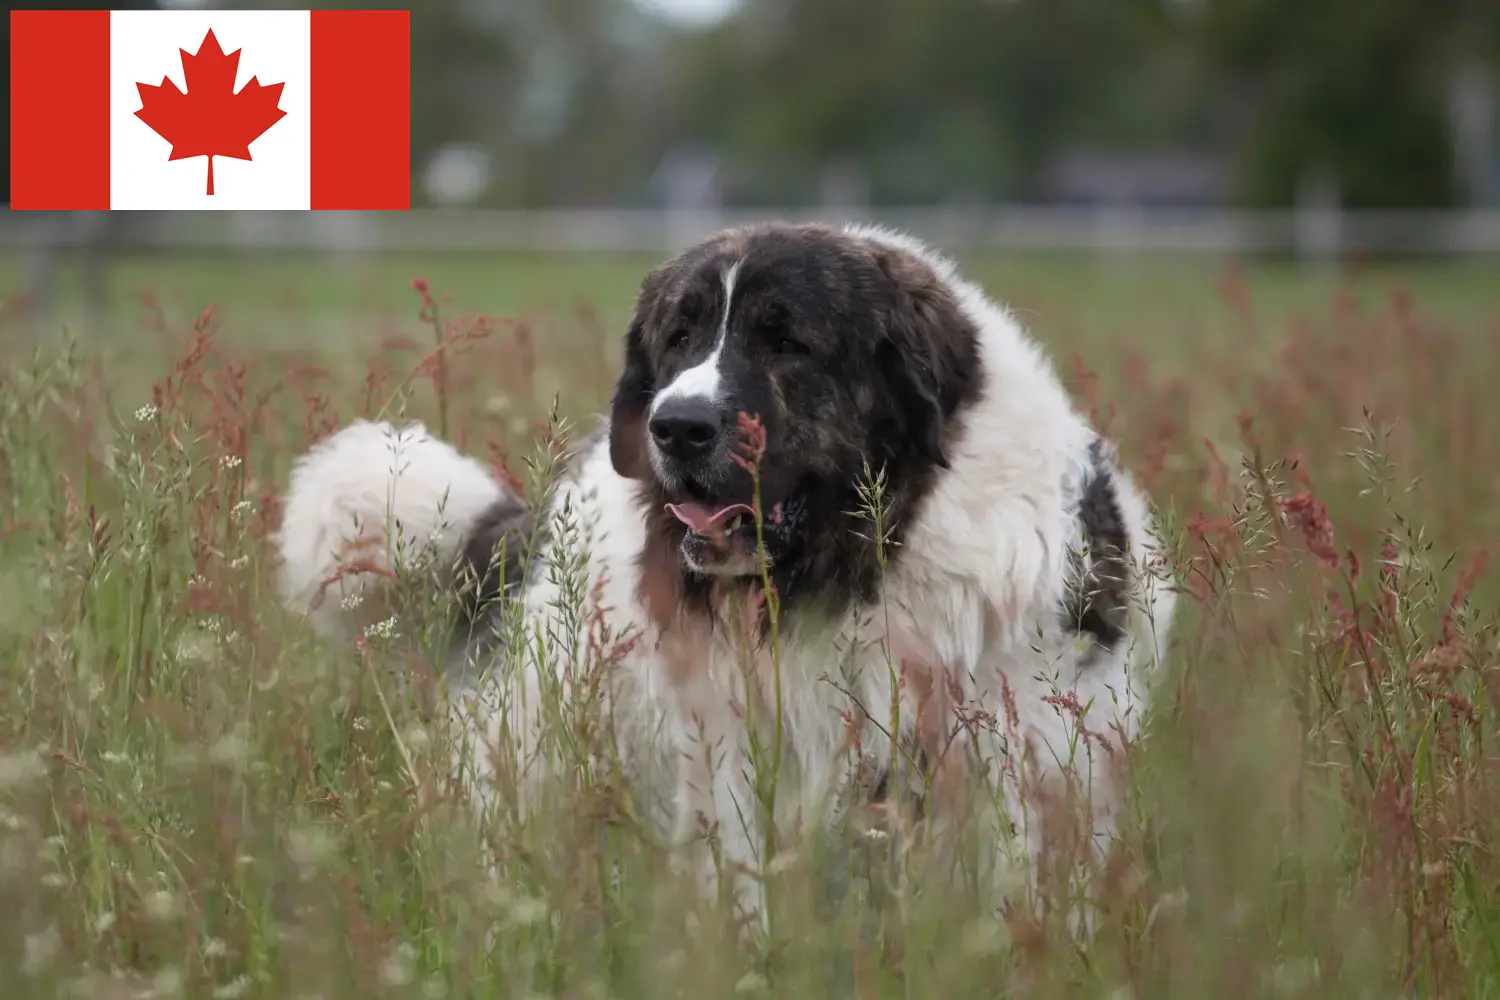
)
(210, 119)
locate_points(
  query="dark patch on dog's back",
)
(493, 561)
(1097, 603)
(496, 556)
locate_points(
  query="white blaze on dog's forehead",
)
(702, 380)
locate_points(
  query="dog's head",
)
(846, 349)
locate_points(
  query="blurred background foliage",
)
(540, 103)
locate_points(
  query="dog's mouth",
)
(707, 520)
(722, 539)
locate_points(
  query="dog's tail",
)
(373, 499)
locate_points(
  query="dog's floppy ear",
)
(627, 416)
(928, 350)
(635, 387)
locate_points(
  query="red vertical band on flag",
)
(361, 109)
(59, 109)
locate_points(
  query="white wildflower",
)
(236, 987)
(361, 723)
(195, 646)
(39, 950)
(784, 861)
(231, 750)
(527, 911)
(351, 602)
(399, 968)
(241, 510)
(18, 769)
(215, 948)
(750, 982)
(382, 630)
(147, 412)
(166, 983)
(309, 847)
(114, 757)
(239, 562)
(161, 905)
(1174, 900)
(229, 462)
(104, 921)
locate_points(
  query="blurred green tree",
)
(967, 97)
(1356, 88)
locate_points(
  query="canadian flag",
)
(189, 109)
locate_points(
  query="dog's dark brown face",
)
(844, 350)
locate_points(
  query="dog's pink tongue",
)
(703, 519)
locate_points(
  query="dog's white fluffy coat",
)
(976, 591)
(372, 491)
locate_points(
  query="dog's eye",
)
(677, 339)
(786, 345)
(775, 328)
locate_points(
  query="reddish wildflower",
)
(1466, 580)
(319, 420)
(525, 343)
(1066, 702)
(268, 514)
(1163, 435)
(754, 610)
(1246, 421)
(1386, 601)
(1460, 710)
(500, 465)
(376, 380)
(1213, 533)
(1311, 517)
(751, 447)
(1220, 472)
(1345, 634)
(398, 342)
(1443, 659)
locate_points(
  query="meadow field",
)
(198, 798)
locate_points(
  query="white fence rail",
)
(1307, 233)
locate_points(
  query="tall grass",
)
(199, 799)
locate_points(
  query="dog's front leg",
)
(718, 814)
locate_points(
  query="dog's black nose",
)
(686, 428)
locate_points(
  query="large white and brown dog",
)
(961, 573)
